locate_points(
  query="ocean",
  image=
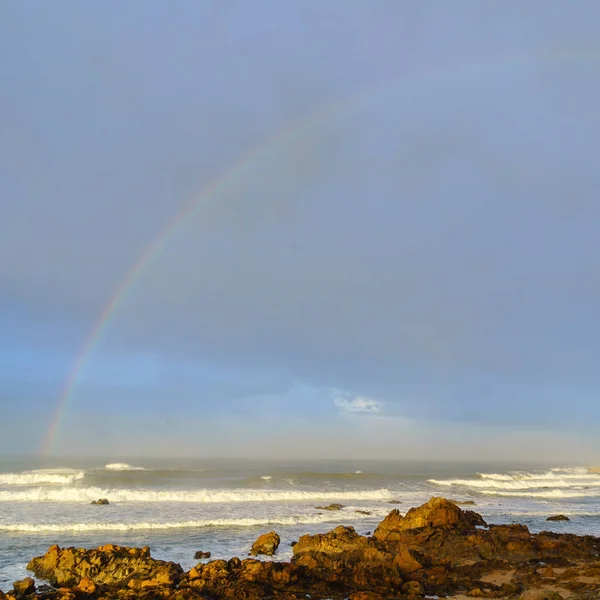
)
(178, 506)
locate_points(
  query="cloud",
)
(357, 404)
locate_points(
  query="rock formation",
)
(266, 544)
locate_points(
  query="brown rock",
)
(549, 572)
(363, 512)
(87, 586)
(341, 539)
(558, 518)
(199, 555)
(366, 596)
(24, 587)
(394, 502)
(330, 507)
(109, 565)
(413, 589)
(266, 544)
(437, 512)
(540, 595)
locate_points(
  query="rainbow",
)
(284, 137)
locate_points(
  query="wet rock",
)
(266, 544)
(330, 507)
(24, 587)
(363, 512)
(558, 518)
(100, 501)
(200, 555)
(109, 565)
(394, 502)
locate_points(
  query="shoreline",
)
(438, 549)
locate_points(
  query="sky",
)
(387, 242)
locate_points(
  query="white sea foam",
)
(41, 494)
(266, 477)
(555, 478)
(550, 493)
(122, 467)
(52, 476)
(242, 522)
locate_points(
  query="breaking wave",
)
(122, 467)
(51, 476)
(242, 522)
(558, 478)
(41, 494)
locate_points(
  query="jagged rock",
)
(100, 501)
(109, 564)
(558, 518)
(363, 512)
(199, 555)
(437, 512)
(265, 544)
(330, 507)
(24, 587)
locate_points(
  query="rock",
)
(363, 512)
(265, 544)
(540, 595)
(109, 565)
(558, 518)
(549, 572)
(24, 587)
(87, 586)
(100, 501)
(330, 507)
(394, 502)
(413, 589)
(199, 555)
(437, 512)
(463, 502)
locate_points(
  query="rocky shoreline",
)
(435, 550)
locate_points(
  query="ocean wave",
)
(509, 485)
(554, 493)
(242, 522)
(122, 467)
(200, 496)
(555, 478)
(53, 476)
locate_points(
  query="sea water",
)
(180, 506)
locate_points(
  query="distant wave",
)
(200, 496)
(122, 467)
(555, 478)
(549, 493)
(242, 522)
(53, 476)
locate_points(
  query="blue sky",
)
(413, 272)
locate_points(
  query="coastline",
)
(438, 549)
